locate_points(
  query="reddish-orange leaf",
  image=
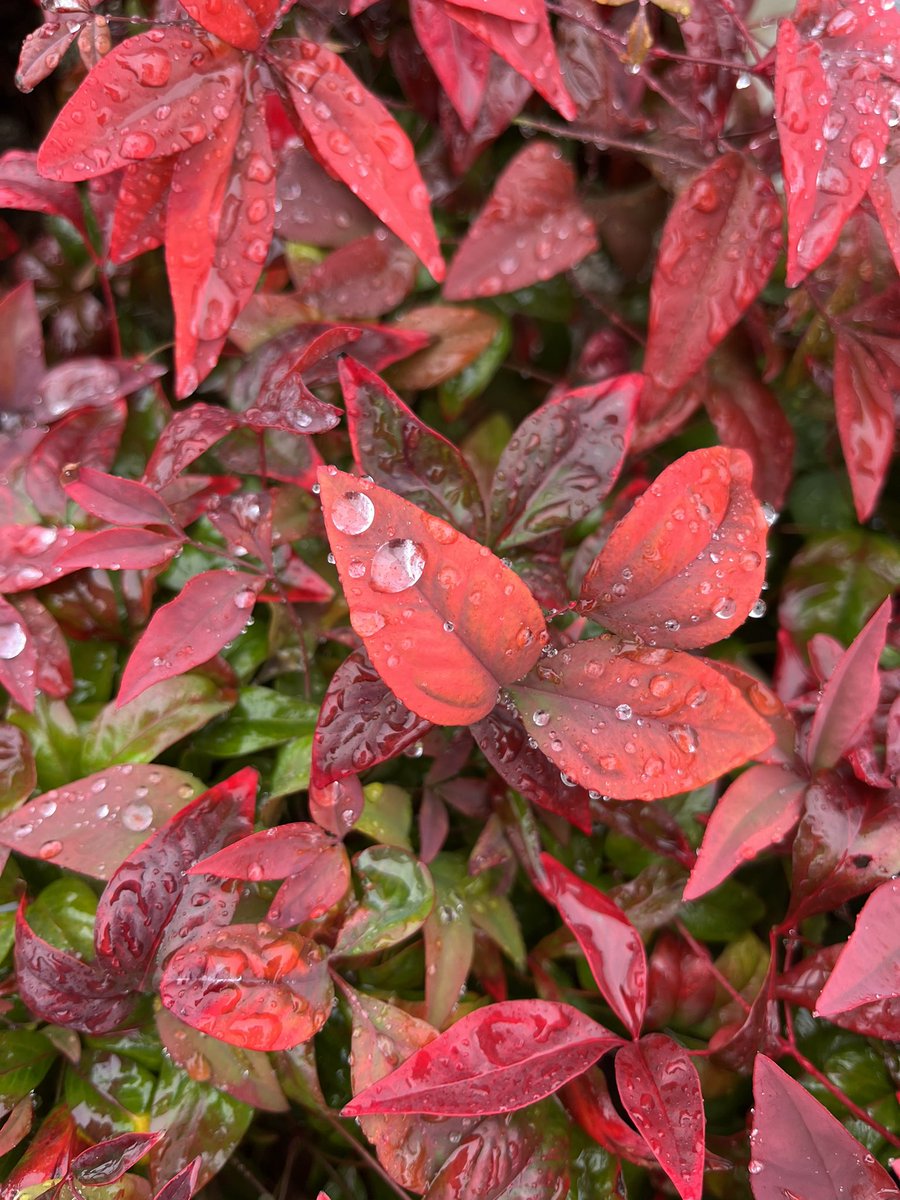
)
(685, 566)
(237, 22)
(719, 245)
(360, 142)
(443, 620)
(637, 724)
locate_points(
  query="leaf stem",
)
(364, 1155)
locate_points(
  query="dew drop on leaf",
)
(623, 712)
(245, 598)
(353, 513)
(725, 608)
(541, 717)
(12, 640)
(137, 817)
(397, 565)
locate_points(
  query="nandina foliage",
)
(426, 768)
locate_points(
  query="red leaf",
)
(868, 968)
(443, 621)
(269, 854)
(637, 723)
(315, 208)
(685, 566)
(43, 50)
(659, 1087)
(119, 549)
(47, 1156)
(496, 1059)
(528, 48)
(92, 383)
(28, 555)
(210, 610)
(307, 896)
(459, 59)
(361, 280)
(240, 23)
(218, 229)
(17, 657)
(504, 98)
(119, 501)
(562, 461)
(62, 989)
(189, 434)
(884, 192)
(22, 187)
(849, 698)
(22, 364)
(800, 1149)
(759, 809)
(361, 723)
(255, 988)
(532, 227)
(154, 901)
(17, 1125)
(285, 402)
(831, 106)
(53, 666)
(804, 982)
(183, 1185)
(114, 117)
(140, 213)
(108, 1161)
(403, 454)
(720, 243)
(360, 142)
(91, 825)
(90, 436)
(611, 945)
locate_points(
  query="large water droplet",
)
(624, 712)
(367, 623)
(13, 640)
(353, 513)
(540, 717)
(137, 817)
(397, 565)
(725, 608)
(245, 598)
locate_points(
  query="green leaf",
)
(261, 718)
(63, 915)
(108, 1094)
(249, 650)
(25, 1058)
(456, 394)
(292, 766)
(397, 896)
(197, 1119)
(495, 916)
(723, 915)
(94, 665)
(11, 886)
(140, 1042)
(55, 742)
(159, 717)
(18, 773)
(387, 815)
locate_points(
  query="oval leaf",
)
(869, 965)
(443, 621)
(397, 896)
(269, 854)
(118, 501)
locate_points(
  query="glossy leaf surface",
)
(397, 896)
(118, 501)
(868, 968)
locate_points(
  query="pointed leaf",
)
(28, 555)
(210, 610)
(269, 854)
(22, 364)
(22, 187)
(759, 809)
(849, 698)
(397, 896)
(18, 661)
(53, 666)
(90, 436)
(720, 243)
(255, 988)
(443, 621)
(309, 895)
(638, 724)
(864, 387)
(496, 1059)
(183, 1184)
(659, 1087)
(611, 945)
(868, 967)
(188, 435)
(92, 825)
(116, 500)
(359, 141)
(800, 1149)
(563, 460)
(139, 223)
(108, 1161)
(43, 50)
(125, 549)
(151, 903)
(17, 1125)
(362, 280)
(240, 23)
(685, 566)
(460, 60)
(114, 117)
(532, 227)
(403, 454)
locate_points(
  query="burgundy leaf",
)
(47, 1156)
(17, 1125)
(803, 985)
(868, 968)
(719, 245)
(459, 336)
(759, 809)
(269, 854)
(532, 228)
(92, 383)
(182, 1185)
(659, 1087)
(459, 59)
(255, 988)
(53, 666)
(189, 434)
(108, 1161)
(496, 1059)
(22, 187)
(800, 1149)
(850, 696)
(685, 566)
(89, 436)
(22, 364)
(18, 661)
(210, 610)
(403, 454)
(611, 945)
(316, 209)
(140, 216)
(361, 723)
(114, 117)
(363, 279)
(43, 50)
(307, 896)
(443, 621)
(91, 825)
(637, 723)
(504, 97)
(153, 903)
(28, 555)
(359, 141)
(60, 988)
(119, 549)
(116, 500)
(563, 460)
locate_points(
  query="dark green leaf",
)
(63, 915)
(25, 1058)
(261, 718)
(108, 1094)
(397, 896)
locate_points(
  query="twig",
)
(364, 1154)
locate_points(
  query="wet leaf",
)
(867, 968)
(460, 61)
(460, 335)
(17, 1125)
(240, 23)
(118, 501)
(397, 896)
(119, 549)
(25, 1058)
(22, 187)
(139, 222)
(261, 718)
(108, 1161)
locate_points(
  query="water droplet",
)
(50, 849)
(13, 640)
(245, 598)
(862, 152)
(540, 717)
(397, 565)
(137, 817)
(624, 712)
(366, 623)
(725, 608)
(353, 513)
(758, 609)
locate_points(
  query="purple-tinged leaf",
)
(43, 50)
(189, 434)
(18, 661)
(89, 436)
(563, 460)
(803, 985)
(255, 988)
(92, 383)
(460, 60)
(22, 187)
(18, 773)
(610, 943)
(116, 500)
(210, 610)
(285, 402)
(152, 904)
(316, 209)
(182, 1185)
(53, 666)
(760, 808)
(496, 1059)
(362, 280)
(123, 549)
(660, 1089)
(868, 968)
(108, 1161)
(799, 1149)
(22, 365)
